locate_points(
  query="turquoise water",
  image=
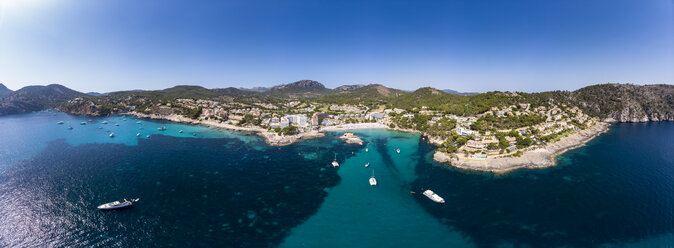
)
(229, 189)
(356, 214)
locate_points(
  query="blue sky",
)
(108, 45)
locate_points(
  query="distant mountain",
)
(35, 98)
(255, 89)
(303, 88)
(460, 93)
(4, 91)
(95, 94)
(348, 88)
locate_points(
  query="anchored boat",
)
(118, 204)
(433, 196)
(334, 162)
(373, 181)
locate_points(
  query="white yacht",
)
(117, 204)
(398, 150)
(373, 181)
(334, 162)
(367, 165)
(433, 196)
(112, 135)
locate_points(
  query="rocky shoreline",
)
(538, 158)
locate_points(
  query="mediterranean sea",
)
(208, 187)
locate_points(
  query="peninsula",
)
(492, 131)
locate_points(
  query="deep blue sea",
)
(208, 187)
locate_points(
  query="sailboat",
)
(373, 181)
(334, 163)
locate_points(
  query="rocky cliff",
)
(626, 102)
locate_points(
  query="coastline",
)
(538, 158)
(273, 139)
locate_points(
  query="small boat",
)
(138, 135)
(118, 204)
(194, 134)
(100, 127)
(105, 122)
(181, 131)
(60, 122)
(373, 181)
(161, 128)
(138, 122)
(147, 136)
(367, 165)
(70, 127)
(334, 163)
(433, 196)
(140, 128)
(366, 150)
(83, 123)
(90, 120)
(398, 150)
(117, 124)
(112, 135)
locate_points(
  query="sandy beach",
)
(537, 158)
(352, 126)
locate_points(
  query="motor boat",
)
(60, 122)
(433, 196)
(373, 181)
(366, 150)
(83, 123)
(138, 135)
(118, 204)
(367, 165)
(105, 122)
(334, 162)
(161, 128)
(181, 131)
(112, 135)
(148, 136)
(70, 127)
(138, 122)
(117, 124)
(398, 151)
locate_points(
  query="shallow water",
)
(222, 188)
